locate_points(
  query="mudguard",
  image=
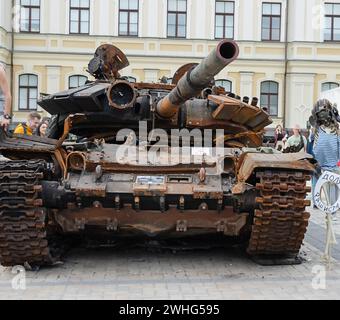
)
(249, 162)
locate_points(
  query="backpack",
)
(294, 149)
(24, 127)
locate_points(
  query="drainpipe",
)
(286, 66)
(12, 56)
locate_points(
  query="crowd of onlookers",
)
(35, 125)
(294, 142)
(321, 140)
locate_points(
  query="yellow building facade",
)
(289, 51)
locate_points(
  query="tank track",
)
(23, 227)
(281, 221)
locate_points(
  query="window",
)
(30, 16)
(271, 21)
(329, 86)
(79, 16)
(226, 84)
(270, 97)
(76, 81)
(177, 18)
(224, 20)
(28, 92)
(332, 22)
(128, 17)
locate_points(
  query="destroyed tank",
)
(84, 178)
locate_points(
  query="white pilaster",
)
(299, 99)
(151, 75)
(246, 79)
(53, 78)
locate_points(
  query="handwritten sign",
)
(327, 177)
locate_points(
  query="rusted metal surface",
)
(149, 190)
(238, 134)
(245, 138)
(241, 188)
(69, 122)
(251, 161)
(216, 90)
(229, 109)
(23, 230)
(107, 61)
(207, 191)
(152, 223)
(121, 95)
(182, 71)
(101, 184)
(281, 221)
(153, 86)
(76, 161)
(193, 103)
(60, 157)
(161, 184)
(32, 147)
(113, 159)
(123, 168)
(199, 116)
(191, 84)
(22, 143)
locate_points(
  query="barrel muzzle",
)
(197, 79)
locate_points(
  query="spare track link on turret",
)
(281, 221)
(23, 232)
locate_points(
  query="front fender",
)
(293, 161)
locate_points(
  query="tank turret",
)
(111, 103)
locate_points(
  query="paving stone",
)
(215, 274)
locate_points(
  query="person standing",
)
(327, 153)
(326, 145)
(4, 87)
(41, 131)
(297, 142)
(30, 126)
(279, 136)
(310, 143)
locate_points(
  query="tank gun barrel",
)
(194, 81)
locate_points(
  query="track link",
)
(281, 221)
(23, 229)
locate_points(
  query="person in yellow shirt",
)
(30, 126)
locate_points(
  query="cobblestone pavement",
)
(213, 274)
